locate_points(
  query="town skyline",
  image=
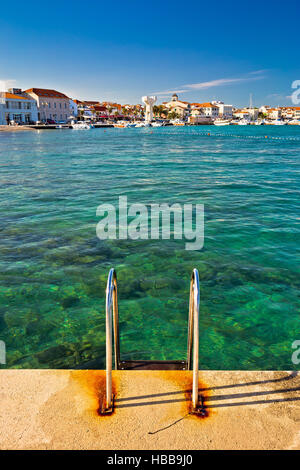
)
(49, 106)
(194, 92)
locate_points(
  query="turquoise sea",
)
(53, 268)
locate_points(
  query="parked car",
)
(50, 121)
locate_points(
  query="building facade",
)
(225, 110)
(182, 108)
(205, 109)
(73, 109)
(16, 107)
(290, 112)
(51, 104)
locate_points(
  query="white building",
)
(205, 109)
(225, 110)
(273, 113)
(290, 112)
(250, 114)
(182, 108)
(17, 107)
(73, 108)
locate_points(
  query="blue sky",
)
(121, 50)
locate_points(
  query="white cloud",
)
(256, 75)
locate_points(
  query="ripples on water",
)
(54, 269)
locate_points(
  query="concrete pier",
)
(59, 409)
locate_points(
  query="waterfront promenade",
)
(57, 409)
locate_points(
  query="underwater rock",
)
(55, 353)
(68, 302)
(162, 283)
(129, 289)
(2, 321)
(147, 284)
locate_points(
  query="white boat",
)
(221, 122)
(243, 122)
(156, 124)
(81, 125)
(278, 122)
(142, 124)
(294, 122)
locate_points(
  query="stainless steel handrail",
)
(193, 335)
(112, 322)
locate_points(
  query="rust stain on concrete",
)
(184, 382)
(93, 383)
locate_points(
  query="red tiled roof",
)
(47, 93)
(11, 96)
(204, 105)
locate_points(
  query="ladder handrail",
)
(193, 334)
(112, 320)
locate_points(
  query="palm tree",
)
(156, 110)
(173, 115)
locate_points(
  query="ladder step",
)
(153, 365)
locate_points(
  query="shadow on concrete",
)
(213, 398)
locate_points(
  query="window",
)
(60, 105)
(65, 105)
(54, 105)
(17, 117)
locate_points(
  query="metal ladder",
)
(112, 327)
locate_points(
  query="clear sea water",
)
(53, 268)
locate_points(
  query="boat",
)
(243, 122)
(221, 122)
(156, 124)
(142, 124)
(81, 125)
(278, 122)
(124, 124)
(177, 122)
(130, 124)
(120, 125)
(294, 122)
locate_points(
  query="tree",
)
(155, 110)
(173, 115)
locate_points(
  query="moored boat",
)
(243, 122)
(221, 122)
(294, 122)
(81, 126)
